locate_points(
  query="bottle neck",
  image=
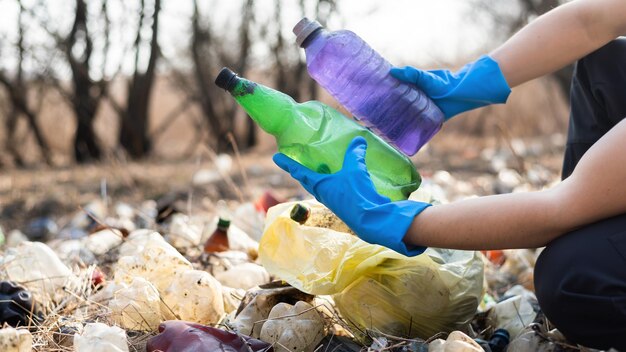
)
(312, 37)
(269, 108)
(314, 43)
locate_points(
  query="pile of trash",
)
(255, 277)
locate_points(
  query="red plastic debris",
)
(266, 201)
(183, 336)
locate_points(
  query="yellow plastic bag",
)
(374, 287)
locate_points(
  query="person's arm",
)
(547, 44)
(596, 190)
(559, 38)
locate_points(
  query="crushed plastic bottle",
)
(15, 340)
(158, 263)
(183, 234)
(16, 305)
(456, 342)
(99, 337)
(103, 241)
(137, 306)
(258, 303)
(136, 241)
(195, 296)
(182, 336)
(293, 328)
(232, 298)
(35, 266)
(244, 276)
(514, 313)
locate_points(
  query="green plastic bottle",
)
(317, 135)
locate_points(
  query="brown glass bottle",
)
(218, 242)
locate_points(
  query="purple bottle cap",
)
(304, 29)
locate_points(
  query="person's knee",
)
(579, 283)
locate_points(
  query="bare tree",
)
(134, 137)
(17, 94)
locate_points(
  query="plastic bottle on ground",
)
(99, 337)
(358, 77)
(317, 135)
(15, 340)
(293, 328)
(218, 242)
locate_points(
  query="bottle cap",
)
(304, 29)
(226, 79)
(299, 213)
(223, 223)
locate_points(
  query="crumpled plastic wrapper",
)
(373, 286)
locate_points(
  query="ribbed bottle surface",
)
(358, 77)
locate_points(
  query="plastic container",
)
(514, 313)
(16, 304)
(158, 263)
(293, 328)
(182, 336)
(99, 337)
(37, 267)
(103, 241)
(137, 306)
(196, 296)
(317, 135)
(456, 342)
(244, 276)
(358, 77)
(15, 340)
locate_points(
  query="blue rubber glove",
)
(351, 195)
(476, 84)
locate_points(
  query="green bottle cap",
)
(300, 213)
(226, 79)
(223, 223)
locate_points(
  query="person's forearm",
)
(519, 220)
(594, 191)
(559, 38)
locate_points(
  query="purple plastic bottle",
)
(358, 77)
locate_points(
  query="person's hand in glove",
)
(351, 195)
(477, 84)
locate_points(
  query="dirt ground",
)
(473, 163)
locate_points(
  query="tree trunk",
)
(134, 137)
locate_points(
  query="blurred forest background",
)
(128, 84)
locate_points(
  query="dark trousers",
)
(580, 278)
